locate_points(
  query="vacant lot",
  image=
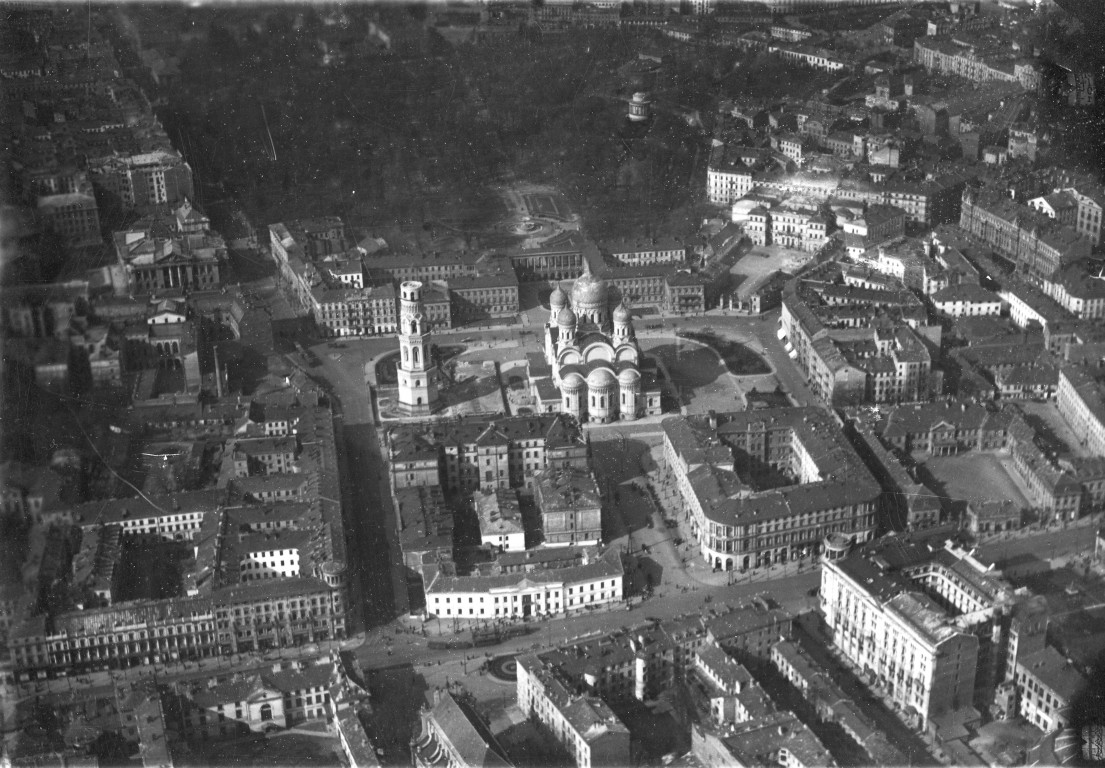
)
(320, 751)
(971, 476)
(759, 263)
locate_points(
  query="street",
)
(397, 644)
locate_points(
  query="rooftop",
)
(1054, 672)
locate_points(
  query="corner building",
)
(731, 468)
(932, 627)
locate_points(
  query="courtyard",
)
(974, 475)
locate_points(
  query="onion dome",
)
(566, 316)
(622, 314)
(589, 290)
(558, 299)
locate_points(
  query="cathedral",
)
(593, 353)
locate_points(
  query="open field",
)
(969, 476)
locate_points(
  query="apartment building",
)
(1037, 246)
(1087, 221)
(724, 678)
(966, 300)
(452, 733)
(728, 179)
(583, 723)
(944, 56)
(481, 453)
(1080, 401)
(717, 460)
(906, 505)
(795, 223)
(176, 518)
(877, 224)
(368, 311)
(1078, 291)
(778, 738)
(570, 504)
(500, 517)
(140, 633)
(912, 618)
(811, 56)
(930, 202)
(73, 215)
(480, 298)
(826, 328)
(1047, 684)
(144, 180)
(264, 456)
(645, 250)
(264, 575)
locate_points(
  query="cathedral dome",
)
(622, 314)
(589, 290)
(600, 378)
(557, 298)
(572, 381)
(566, 317)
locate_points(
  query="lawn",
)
(540, 204)
(740, 360)
(699, 376)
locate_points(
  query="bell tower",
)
(417, 376)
